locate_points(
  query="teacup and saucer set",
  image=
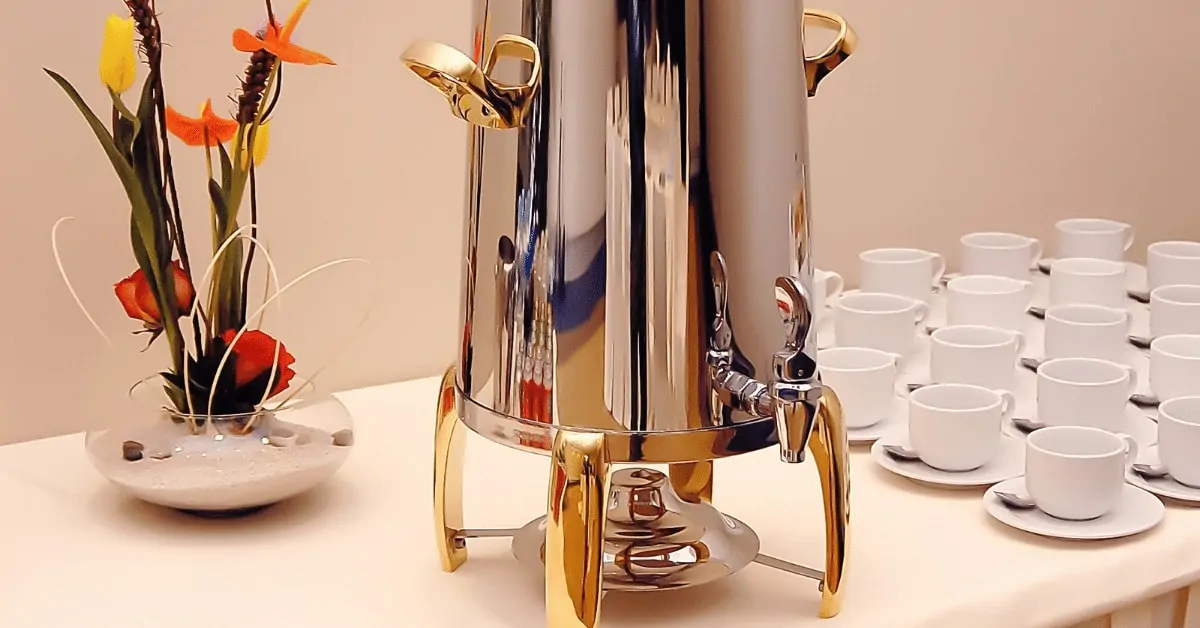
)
(954, 438)
(1096, 239)
(1089, 392)
(865, 379)
(1074, 487)
(1171, 468)
(1087, 330)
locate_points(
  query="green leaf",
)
(220, 209)
(142, 216)
(125, 125)
(227, 272)
(126, 114)
(145, 233)
(226, 171)
(123, 132)
(129, 178)
(146, 102)
(147, 161)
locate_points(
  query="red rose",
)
(253, 355)
(137, 298)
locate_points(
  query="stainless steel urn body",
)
(651, 135)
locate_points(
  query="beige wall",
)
(953, 116)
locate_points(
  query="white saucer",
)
(1008, 463)
(1137, 512)
(894, 423)
(1163, 487)
(1141, 427)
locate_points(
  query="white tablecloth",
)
(359, 552)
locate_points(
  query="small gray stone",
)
(343, 438)
(131, 450)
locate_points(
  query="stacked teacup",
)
(1080, 442)
(1173, 283)
(1173, 286)
(1085, 377)
(955, 422)
(895, 289)
(875, 330)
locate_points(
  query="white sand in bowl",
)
(214, 474)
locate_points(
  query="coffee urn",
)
(636, 270)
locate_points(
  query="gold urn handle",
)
(473, 94)
(819, 66)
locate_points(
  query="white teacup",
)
(1087, 331)
(827, 285)
(957, 427)
(865, 381)
(1179, 439)
(1172, 263)
(976, 355)
(1085, 392)
(1093, 237)
(1175, 367)
(1087, 280)
(886, 322)
(1174, 310)
(911, 273)
(1077, 473)
(989, 300)
(1002, 254)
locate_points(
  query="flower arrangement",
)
(221, 363)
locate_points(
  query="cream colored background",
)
(953, 116)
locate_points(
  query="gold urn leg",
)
(448, 477)
(830, 452)
(575, 530)
(693, 481)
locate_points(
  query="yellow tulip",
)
(118, 58)
(262, 141)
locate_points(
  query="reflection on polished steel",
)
(654, 540)
(637, 257)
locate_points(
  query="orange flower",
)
(278, 41)
(194, 130)
(137, 298)
(253, 357)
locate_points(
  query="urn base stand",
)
(634, 528)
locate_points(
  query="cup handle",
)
(834, 284)
(1036, 244)
(1128, 321)
(1131, 449)
(1020, 338)
(1129, 236)
(922, 311)
(1008, 405)
(939, 268)
(1028, 292)
(1133, 378)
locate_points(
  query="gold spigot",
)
(473, 94)
(819, 66)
